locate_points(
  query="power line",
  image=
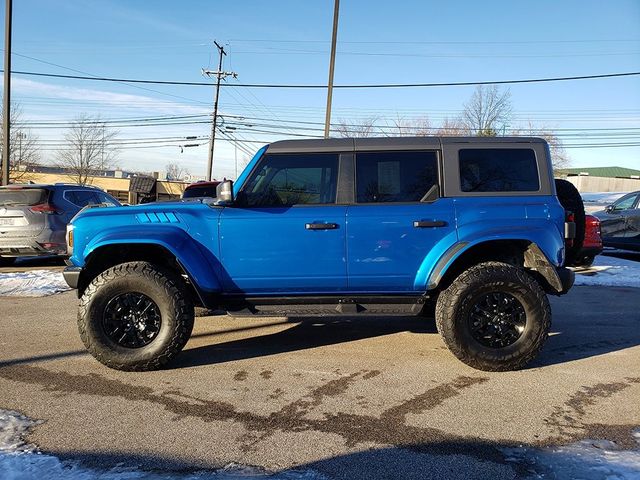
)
(312, 86)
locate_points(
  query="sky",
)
(288, 42)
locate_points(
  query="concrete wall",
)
(587, 183)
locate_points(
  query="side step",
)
(324, 306)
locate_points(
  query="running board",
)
(324, 305)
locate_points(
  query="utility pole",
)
(220, 75)
(6, 107)
(332, 62)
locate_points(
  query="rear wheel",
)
(494, 317)
(571, 200)
(135, 316)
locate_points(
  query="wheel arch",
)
(519, 252)
(107, 255)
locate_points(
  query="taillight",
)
(43, 208)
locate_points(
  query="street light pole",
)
(332, 62)
(6, 107)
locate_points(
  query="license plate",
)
(6, 221)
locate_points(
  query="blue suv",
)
(468, 229)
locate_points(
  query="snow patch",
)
(584, 460)
(601, 198)
(609, 272)
(35, 283)
(23, 461)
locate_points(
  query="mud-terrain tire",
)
(172, 320)
(7, 261)
(571, 200)
(458, 308)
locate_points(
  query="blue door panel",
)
(385, 249)
(269, 250)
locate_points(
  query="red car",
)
(200, 189)
(592, 244)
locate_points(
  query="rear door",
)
(397, 218)
(285, 234)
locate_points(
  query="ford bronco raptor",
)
(470, 230)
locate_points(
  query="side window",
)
(498, 170)
(625, 203)
(81, 198)
(395, 176)
(103, 198)
(292, 179)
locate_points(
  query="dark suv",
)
(34, 218)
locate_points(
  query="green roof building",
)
(604, 172)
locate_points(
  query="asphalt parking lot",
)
(348, 397)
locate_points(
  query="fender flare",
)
(198, 263)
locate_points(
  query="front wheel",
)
(494, 317)
(135, 316)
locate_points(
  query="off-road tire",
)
(169, 293)
(7, 261)
(571, 200)
(455, 303)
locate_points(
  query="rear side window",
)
(292, 179)
(395, 176)
(23, 196)
(498, 170)
(81, 198)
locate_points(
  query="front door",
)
(285, 234)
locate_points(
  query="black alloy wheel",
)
(497, 319)
(131, 320)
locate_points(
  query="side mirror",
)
(610, 208)
(224, 192)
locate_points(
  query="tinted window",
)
(81, 198)
(625, 202)
(296, 179)
(108, 199)
(498, 170)
(22, 196)
(395, 176)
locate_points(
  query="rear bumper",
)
(71, 276)
(567, 277)
(45, 243)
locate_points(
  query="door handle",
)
(429, 223)
(320, 226)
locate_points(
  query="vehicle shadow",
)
(304, 333)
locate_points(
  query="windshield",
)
(200, 191)
(25, 196)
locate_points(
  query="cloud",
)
(102, 97)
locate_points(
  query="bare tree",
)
(347, 129)
(451, 127)
(559, 155)
(403, 127)
(488, 111)
(24, 151)
(90, 147)
(175, 171)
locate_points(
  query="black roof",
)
(385, 143)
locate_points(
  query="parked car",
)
(592, 244)
(200, 189)
(620, 223)
(34, 218)
(338, 227)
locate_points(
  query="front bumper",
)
(71, 276)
